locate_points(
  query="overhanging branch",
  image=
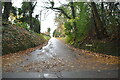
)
(61, 10)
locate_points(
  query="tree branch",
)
(61, 10)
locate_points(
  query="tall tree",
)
(7, 8)
(48, 30)
(27, 9)
(103, 14)
(99, 25)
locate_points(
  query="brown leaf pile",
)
(16, 58)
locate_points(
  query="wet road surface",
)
(56, 60)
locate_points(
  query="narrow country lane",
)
(57, 60)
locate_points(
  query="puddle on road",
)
(45, 52)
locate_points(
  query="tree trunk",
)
(95, 27)
(103, 14)
(30, 13)
(74, 23)
(7, 8)
(98, 21)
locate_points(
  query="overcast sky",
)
(46, 20)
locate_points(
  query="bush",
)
(23, 25)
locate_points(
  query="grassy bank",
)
(16, 39)
(107, 47)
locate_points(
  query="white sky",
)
(46, 20)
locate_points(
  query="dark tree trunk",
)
(103, 14)
(30, 21)
(30, 13)
(95, 27)
(99, 25)
(74, 23)
(7, 8)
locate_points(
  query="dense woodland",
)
(93, 26)
(84, 21)
(78, 22)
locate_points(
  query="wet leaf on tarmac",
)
(99, 70)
